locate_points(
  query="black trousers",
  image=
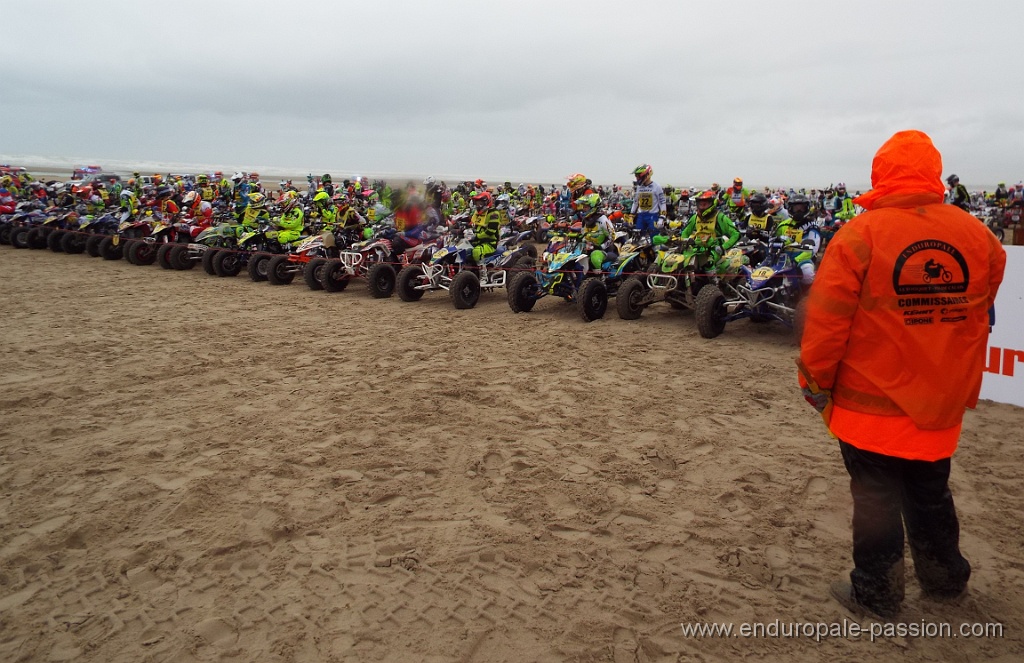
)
(889, 493)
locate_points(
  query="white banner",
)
(1004, 371)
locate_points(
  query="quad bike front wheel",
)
(522, 292)
(465, 290)
(163, 257)
(227, 263)
(53, 241)
(628, 301)
(408, 279)
(73, 243)
(109, 250)
(280, 270)
(142, 253)
(257, 267)
(709, 311)
(179, 257)
(380, 280)
(312, 273)
(334, 277)
(208, 256)
(593, 299)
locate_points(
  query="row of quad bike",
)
(755, 279)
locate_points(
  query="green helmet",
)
(588, 205)
(321, 198)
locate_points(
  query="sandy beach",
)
(204, 469)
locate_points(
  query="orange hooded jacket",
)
(897, 320)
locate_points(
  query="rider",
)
(206, 192)
(597, 230)
(199, 209)
(323, 207)
(760, 221)
(842, 204)
(799, 229)
(164, 204)
(958, 194)
(578, 185)
(708, 226)
(1002, 195)
(7, 202)
(292, 219)
(486, 223)
(684, 206)
(649, 206)
(255, 211)
(737, 197)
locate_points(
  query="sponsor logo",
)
(956, 319)
(919, 311)
(930, 266)
(917, 321)
(1002, 360)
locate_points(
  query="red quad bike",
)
(374, 259)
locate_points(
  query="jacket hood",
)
(907, 163)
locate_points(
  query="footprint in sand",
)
(217, 632)
(816, 487)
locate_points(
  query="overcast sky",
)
(781, 93)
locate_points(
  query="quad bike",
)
(771, 290)
(564, 271)
(129, 229)
(22, 224)
(676, 277)
(452, 268)
(375, 259)
(309, 258)
(201, 249)
(57, 227)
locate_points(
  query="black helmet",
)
(326, 178)
(163, 191)
(758, 204)
(799, 206)
(952, 180)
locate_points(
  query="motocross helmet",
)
(164, 191)
(257, 200)
(799, 206)
(326, 179)
(289, 200)
(237, 178)
(483, 201)
(774, 204)
(589, 206)
(321, 199)
(643, 174)
(758, 204)
(202, 179)
(502, 201)
(707, 206)
(952, 180)
(190, 197)
(737, 183)
(576, 182)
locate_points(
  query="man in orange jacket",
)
(892, 353)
